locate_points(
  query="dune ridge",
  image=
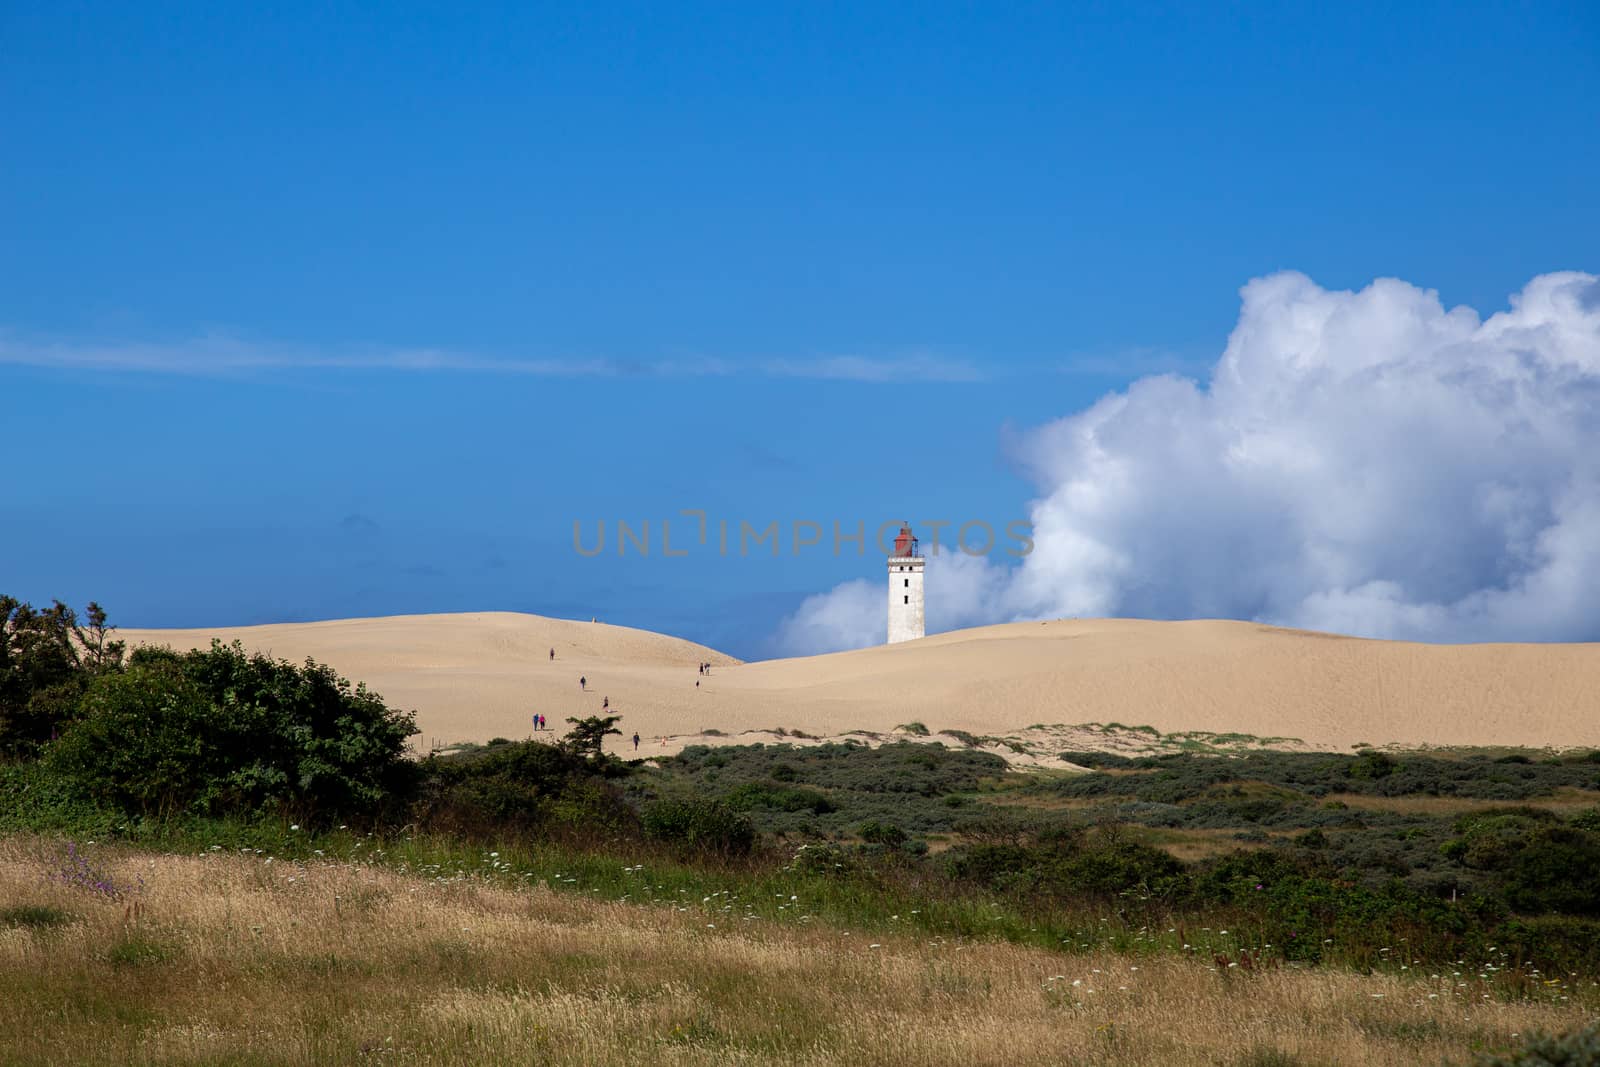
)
(475, 676)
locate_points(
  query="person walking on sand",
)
(605, 703)
(636, 740)
(552, 655)
(583, 683)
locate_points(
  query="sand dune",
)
(471, 677)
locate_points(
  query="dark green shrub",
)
(219, 732)
(138, 950)
(1588, 819)
(824, 858)
(1579, 1048)
(1554, 871)
(1554, 943)
(994, 865)
(881, 833)
(150, 741)
(1313, 838)
(1540, 864)
(523, 788)
(1109, 865)
(833, 788)
(1267, 1056)
(779, 798)
(1371, 765)
(35, 798)
(34, 917)
(700, 826)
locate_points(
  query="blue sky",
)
(332, 311)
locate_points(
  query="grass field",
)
(127, 957)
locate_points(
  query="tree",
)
(42, 670)
(100, 653)
(587, 736)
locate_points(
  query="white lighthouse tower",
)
(905, 588)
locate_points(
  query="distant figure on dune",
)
(583, 683)
(605, 702)
(636, 741)
(552, 655)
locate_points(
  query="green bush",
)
(149, 741)
(34, 917)
(881, 833)
(219, 731)
(832, 788)
(1555, 943)
(707, 827)
(1069, 864)
(1541, 864)
(522, 788)
(1109, 866)
(1179, 777)
(826, 859)
(1579, 1048)
(1588, 819)
(779, 798)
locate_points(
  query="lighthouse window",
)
(908, 600)
(908, 583)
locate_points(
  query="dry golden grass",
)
(231, 959)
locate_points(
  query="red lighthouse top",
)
(904, 543)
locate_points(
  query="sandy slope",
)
(481, 675)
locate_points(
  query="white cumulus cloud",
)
(961, 590)
(1363, 462)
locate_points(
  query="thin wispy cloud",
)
(867, 369)
(224, 356)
